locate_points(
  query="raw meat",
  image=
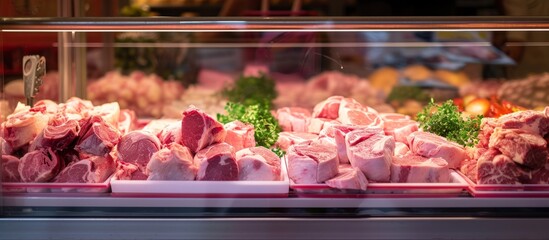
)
(413, 168)
(200, 130)
(316, 125)
(216, 163)
(293, 119)
(156, 126)
(91, 170)
(328, 108)
(534, 122)
(286, 139)
(371, 152)
(172, 163)
(110, 112)
(240, 135)
(6, 148)
(496, 168)
(171, 133)
(97, 137)
(352, 112)
(59, 134)
(393, 116)
(128, 171)
(258, 164)
(45, 106)
(127, 121)
(540, 176)
(524, 148)
(338, 133)
(10, 166)
(39, 166)
(469, 168)
(487, 126)
(401, 148)
(350, 179)
(137, 147)
(312, 162)
(400, 129)
(23, 126)
(430, 145)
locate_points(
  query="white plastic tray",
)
(507, 190)
(144, 188)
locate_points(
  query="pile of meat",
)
(512, 149)
(71, 142)
(145, 94)
(346, 145)
(197, 147)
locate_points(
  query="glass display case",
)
(115, 114)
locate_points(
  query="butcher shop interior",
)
(274, 119)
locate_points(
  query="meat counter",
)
(135, 128)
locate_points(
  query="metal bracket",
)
(34, 68)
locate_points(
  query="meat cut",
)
(352, 112)
(23, 126)
(312, 161)
(371, 151)
(350, 178)
(171, 133)
(328, 108)
(286, 139)
(217, 162)
(401, 149)
(128, 171)
(400, 129)
(239, 135)
(258, 164)
(199, 130)
(522, 147)
(59, 134)
(97, 137)
(91, 170)
(293, 119)
(338, 133)
(172, 163)
(430, 145)
(39, 166)
(417, 169)
(496, 168)
(10, 166)
(137, 147)
(316, 125)
(531, 121)
(5, 147)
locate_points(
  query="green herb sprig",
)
(251, 90)
(259, 115)
(446, 120)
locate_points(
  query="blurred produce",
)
(417, 73)
(488, 107)
(483, 89)
(456, 79)
(384, 78)
(145, 94)
(531, 92)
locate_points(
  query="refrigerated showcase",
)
(158, 66)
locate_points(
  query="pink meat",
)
(496, 168)
(39, 166)
(172, 163)
(316, 125)
(430, 145)
(287, 139)
(128, 171)
(59, 134)
(401, 149)
(338, 133)
(200, 130)
(91, 170)
(352, 112)
(216, 163)
(5, 147)
(23, 126)
(156, 126)
(258, 164)
(127, 121)
(45, 106)
(350, 179)
(487, 126)
(171, 133)
(534, 122)
(137, 147)
(97, 137)
(413, 168)
(469, 168)
(371, 152)
(110, 112)
(293, 119)
(540, 176)
(328, 108)
(240, 135)
(524, 148)
(10, 166)
(393, 116)
(400, 129)
(312, 162)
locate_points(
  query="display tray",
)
(457, 187)
(16, 187)
(506, 190)
(214, 189)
